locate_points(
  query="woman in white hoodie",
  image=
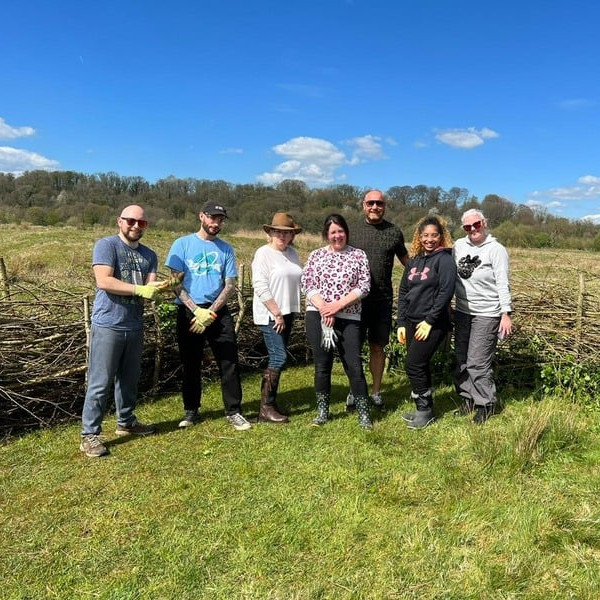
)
(482, 315)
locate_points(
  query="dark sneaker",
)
(92, 446)
(136, 428)
(350, 403)
(421, 419)
(483, 413)
(191, 418)
(377, 401)
(238, 422)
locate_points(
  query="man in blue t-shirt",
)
(125, 273)
(209, 276)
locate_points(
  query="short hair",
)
(336, 219)
(472, 212)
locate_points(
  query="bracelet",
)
(277, 316)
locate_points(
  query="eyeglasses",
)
(141, 223)
(473, 226)
(374, 203)
(282, 232)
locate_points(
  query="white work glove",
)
(328, 337)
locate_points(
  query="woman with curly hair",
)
(426, 290)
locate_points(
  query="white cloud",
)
(316, 161)
(232, 151)
(366, 148)
(8, 132)
(15, 161)
(589, 179)
(595, 219)
(465, 139)
(576, 103)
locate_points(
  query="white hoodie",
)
(482, 284)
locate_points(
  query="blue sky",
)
(499, 98)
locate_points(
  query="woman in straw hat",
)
(276, 273)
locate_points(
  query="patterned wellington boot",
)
(362, 408)
(322, 409)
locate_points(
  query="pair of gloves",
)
(421, 332)
(151, 291)
(328, 337)
(203, 318)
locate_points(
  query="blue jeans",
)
(115, 358)
(276, 343)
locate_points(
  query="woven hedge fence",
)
(44, 335)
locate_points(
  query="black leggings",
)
(349, 349)
(418, 356)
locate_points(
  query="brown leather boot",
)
(269, 411)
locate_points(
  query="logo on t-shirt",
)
(205, 263)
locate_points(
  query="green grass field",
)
(508, 510)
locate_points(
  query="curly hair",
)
(440, 224)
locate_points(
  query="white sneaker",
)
(350, 403)
(238, 422)
(377, 401)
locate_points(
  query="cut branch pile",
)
(44, 333)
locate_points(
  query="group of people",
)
(348, 292)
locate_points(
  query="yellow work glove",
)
(402, 335)
(149, 292)
(422, 331)
(203, 318)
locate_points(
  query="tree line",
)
(70, 198)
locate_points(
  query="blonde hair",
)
(442, 227)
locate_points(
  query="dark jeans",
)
(223, 343)
(276, 343)
(418, 356)
(348, 346)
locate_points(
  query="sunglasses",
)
(473, 226)
(141, 223)
(374, 203)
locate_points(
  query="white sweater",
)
(482, 284)
(275, 275)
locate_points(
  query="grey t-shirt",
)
(125, 313)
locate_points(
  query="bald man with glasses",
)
(381, 241)
(125, 273)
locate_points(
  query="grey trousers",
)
(475, 340)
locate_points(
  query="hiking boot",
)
(92, 446)
(377, 402)
(483, 413)
(136, 428)
(238, 422)
(350, 403)
(191, 418)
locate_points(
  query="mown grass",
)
(507, 510)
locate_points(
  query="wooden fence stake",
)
(4, 288)
(579, 315)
